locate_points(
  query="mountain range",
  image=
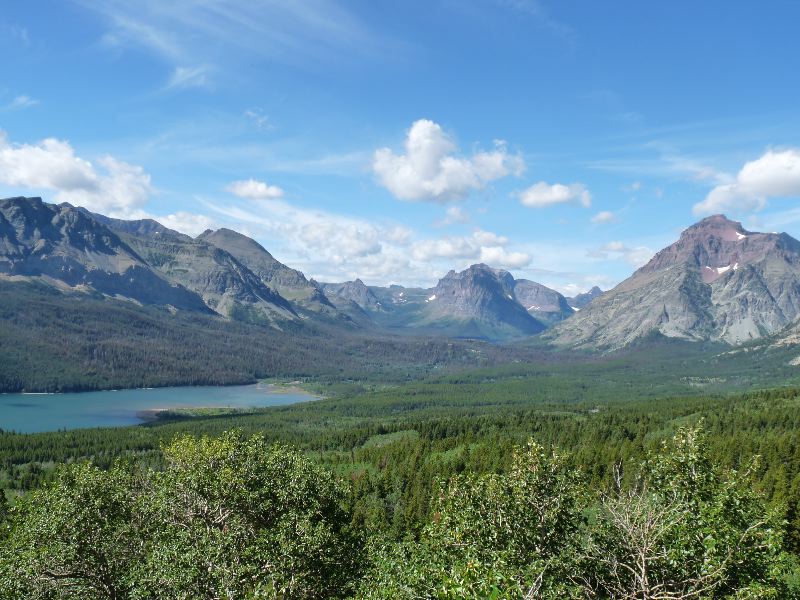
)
(718, 282)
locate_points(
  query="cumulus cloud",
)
(776, 174)
(186, 222)
(112, 187)
(481, 246)
(254, 190)
(635, 256)
(500, 257)
(603, 217)
(543, 194)
(430, 171)
(314, 234)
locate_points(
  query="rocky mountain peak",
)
(716, 224)
(482, 294)
(714, 245)
(719, 281)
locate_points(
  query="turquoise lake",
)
(29, 413)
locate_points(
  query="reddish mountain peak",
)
(718, 226)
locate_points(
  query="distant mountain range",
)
(232, 275)
(718, 282)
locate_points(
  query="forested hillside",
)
(76, 342)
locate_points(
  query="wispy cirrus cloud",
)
(219, 32)
(189, 77)
(541, 13)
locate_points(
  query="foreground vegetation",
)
(232, 517)
(577, 477)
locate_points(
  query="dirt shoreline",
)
(149, 415)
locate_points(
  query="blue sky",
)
(565, 141)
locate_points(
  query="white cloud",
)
(20, 103)
(481, 246)
(399, 235)
(497, 256)
(635, 256)
(430, 171)
(543, 194)
(603, 217)
(632, 187)
(189, 77)
(186, 222)
(314, 236)
(116, 188)
(254, 190)
(224, 32)
(776, 174)
(454, 214)
(259, 119)
(446, 247)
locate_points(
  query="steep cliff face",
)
(63, 246)
(717, 282)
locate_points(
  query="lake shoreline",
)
(32, 413)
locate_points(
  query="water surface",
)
(49, 412)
